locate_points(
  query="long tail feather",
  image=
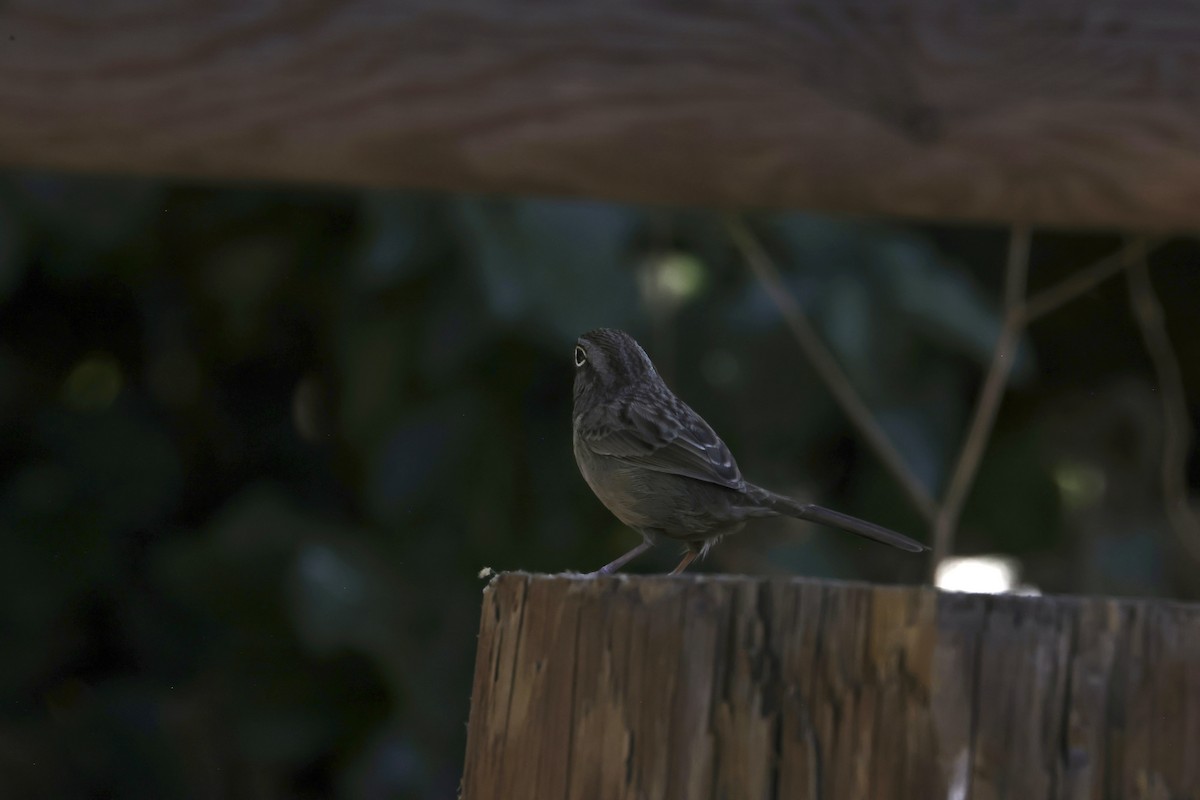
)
(835, 519)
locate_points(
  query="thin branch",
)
(828, 369)
(1086, 279)
(1177, 429)
(986, 408)
(1018, 313)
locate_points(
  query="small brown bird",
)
(659, 467)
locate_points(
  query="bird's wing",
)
(668, 438)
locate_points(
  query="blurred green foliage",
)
(259, 443)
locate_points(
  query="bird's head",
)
(608, 361)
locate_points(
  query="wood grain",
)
(723, 687)
(1054, 112)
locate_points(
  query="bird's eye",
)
(580, 356)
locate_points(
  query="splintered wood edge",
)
(494, 577)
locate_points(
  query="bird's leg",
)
(609, 569)
(688, 558)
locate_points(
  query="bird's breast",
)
(650, 500)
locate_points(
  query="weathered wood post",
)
(736, 687)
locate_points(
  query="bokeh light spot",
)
(93, 383)
(986, 574)
(671, 279)
(1080, 485)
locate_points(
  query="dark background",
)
(258, 444)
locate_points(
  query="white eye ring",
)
(580, 356)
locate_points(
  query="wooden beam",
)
(1054, 112)
(709, 686)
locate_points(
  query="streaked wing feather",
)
(673, 440)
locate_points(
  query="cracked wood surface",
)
(733, 687)
(1051, 112)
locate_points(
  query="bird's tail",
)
(835, 519)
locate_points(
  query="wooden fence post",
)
(737, 687)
